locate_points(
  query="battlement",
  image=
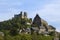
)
(21, 15)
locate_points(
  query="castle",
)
(38, 25)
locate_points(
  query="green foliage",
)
(13, 32)
(16, 22)
(1, 38)
(9, 28)
(26, 37)
(19, 37)
(59, 36)
(34, 36)
(52, 33)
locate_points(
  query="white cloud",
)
(51, 12)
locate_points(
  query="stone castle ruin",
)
(38, 24)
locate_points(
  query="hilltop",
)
(21, 24)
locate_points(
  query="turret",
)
(21, 15)
(25, 15)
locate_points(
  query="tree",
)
(13, 31)
(52, 33)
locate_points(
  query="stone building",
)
(38, 24)
(21, 15)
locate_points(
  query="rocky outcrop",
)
(38, 24)
(41, 25)
(37, 21)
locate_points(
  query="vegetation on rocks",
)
(11, 27)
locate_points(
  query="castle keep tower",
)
(25, 15)
(21, 15)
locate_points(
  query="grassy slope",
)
(27, 37)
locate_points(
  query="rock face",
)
(41, 25)
(37, 21)
(51, 28)
(38, 24)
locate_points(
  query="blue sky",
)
(49, 10)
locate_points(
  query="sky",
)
(48, 10)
